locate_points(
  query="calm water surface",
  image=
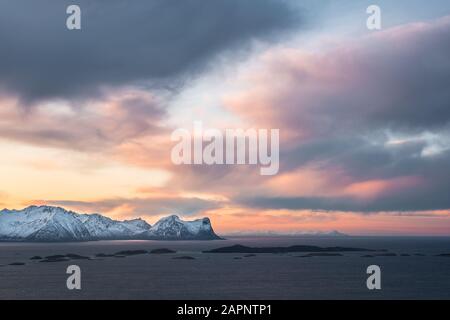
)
(225, 276)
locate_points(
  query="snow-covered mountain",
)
(47, 223)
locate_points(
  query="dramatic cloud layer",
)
(122, 43)
(142, 207)
(376, 109)
(396, 78)
(103, 123)
(86, 116)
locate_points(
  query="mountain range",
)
(55, 224)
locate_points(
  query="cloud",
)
(100, 124)
(397, 78)
(349, 114)
(370, 117)
(363, 111)
(141, 207)
(121, 44)
(399, 202)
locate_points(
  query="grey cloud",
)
(364, 158)
(97, 126)
(124, 42)
(359, 160)
(344, 102)
(397, 79)
(405, 201)
(143, 206)
(431, 193)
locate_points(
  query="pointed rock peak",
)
(206, 221)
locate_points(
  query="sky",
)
(86, 115)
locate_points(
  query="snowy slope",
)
(46, 223)
(41, 223)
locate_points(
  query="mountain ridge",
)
(56, 224)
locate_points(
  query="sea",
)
(418, 270)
